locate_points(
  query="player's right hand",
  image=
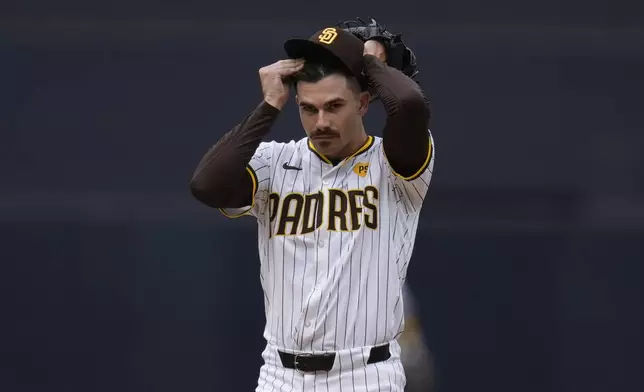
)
(272, 79)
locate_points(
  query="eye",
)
(334, 106)
(309, 108)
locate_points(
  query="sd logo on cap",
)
(328, 35)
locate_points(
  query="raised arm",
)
(406, 133)
(223, 178)
(389, 67)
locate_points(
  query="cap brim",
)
(298, 48)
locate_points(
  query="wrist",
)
(373, 61)
(275, 102)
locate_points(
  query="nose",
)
(322, 121)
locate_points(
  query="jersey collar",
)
(367, 145)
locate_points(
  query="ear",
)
(297, 99)
(364, 102)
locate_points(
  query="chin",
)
(328, 148)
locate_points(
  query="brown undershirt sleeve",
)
(221, 179)
(406, 134)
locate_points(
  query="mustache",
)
(324, 132)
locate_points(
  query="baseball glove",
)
(399, 56)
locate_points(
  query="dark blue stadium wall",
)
(528, 263)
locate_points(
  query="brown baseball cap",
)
(332, 45)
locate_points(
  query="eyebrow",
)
(334, 100)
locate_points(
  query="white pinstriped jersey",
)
(334, 243)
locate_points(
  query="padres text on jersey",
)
(334, 243)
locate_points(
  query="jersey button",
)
(308, 324)
(325, 182)
(321, 244)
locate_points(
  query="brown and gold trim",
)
(366, 146)
(253, 177)
(420, 171)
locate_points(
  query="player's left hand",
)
(383, 44)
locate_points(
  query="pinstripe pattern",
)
(327, 290)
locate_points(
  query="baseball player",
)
(337, 210)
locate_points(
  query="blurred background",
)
(528, 265)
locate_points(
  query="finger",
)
(289, 70)
(290, 62)
(288, 66)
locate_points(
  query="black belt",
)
(324, 362)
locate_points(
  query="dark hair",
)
(315, 71)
